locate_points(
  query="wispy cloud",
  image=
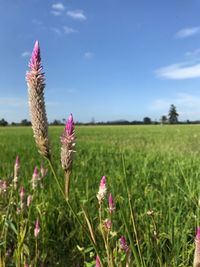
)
(69, 30)
(88, 55)
(36, 22)
(187, 32)
(179, 71)
(26, 54)
(187, 105)
(13, 101)
(57, 9)
(77, 14)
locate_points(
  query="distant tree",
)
(173, 115)
(25, 122)
(163, 119)
(3, 122)
(56, 122)
(147, 120)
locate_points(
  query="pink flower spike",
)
(29, 200)
(123, 244)
(35, 178)
(35, 58)
(37, 228)
(22, 193)
(198, 233)
(102, 190)
(97, 262)
(111, 203)
(69, 128)
(107, 224)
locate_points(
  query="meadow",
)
(153, 173)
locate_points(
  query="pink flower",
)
(107, 224)
(29, 200)
(102, 190)
(35, 178)
(3, 186)
(69, 128)
(35, 58)
(111, 203)
(22, 193)
(16, 171)
(97, 262)
(123, 244)
(196, 262)
(43, 171)
(37, 228)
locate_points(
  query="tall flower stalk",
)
(67, 152)
(35, 81)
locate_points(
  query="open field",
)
(160, 165)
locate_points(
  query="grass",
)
(157, 212)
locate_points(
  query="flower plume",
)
(102, 190)
(35, 81)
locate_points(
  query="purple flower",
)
(102, 190)
(16, 171)
(97, 262)
(3, 186)
(69, 128)
(111, 204)
(37, 228)
(123, 244)
(22, 193)
(43, 171)
(107, 224)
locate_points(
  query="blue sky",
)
(105, 60)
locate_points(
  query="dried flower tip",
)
(123, 244)
(37, 228)
(36, 85)
(97, 262)
(102, 190)
(111, 203)
(150, 212)
(29, 200)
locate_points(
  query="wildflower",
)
(29, 200)
(111, 204)
(97, 262)
(35, 178)
(16, 172)
(37, 228)
(107, 224)
(43, 171)
(3, 186)
(102, 190)
(67, 151)
(150, 212)
(22, 195)
(35, 81)
(196, 262)
(123, 244)
(68, 143)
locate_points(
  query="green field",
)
(158, 167)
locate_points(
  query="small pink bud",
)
(97, 262)
(3, 186)
(102, 190)
(22, 193)
(37, 228)
(107, 224)
(111, 204)
(35, 178)
(123, 244)
(29, 200)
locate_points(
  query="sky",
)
(103, 60)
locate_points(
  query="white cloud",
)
(187, 105)
(88, 55)
(58, 6)
(179, 71)
(77, 14)
(56, 30)
(26, 54)
(69, 30)
(187, 32)
(57, 9)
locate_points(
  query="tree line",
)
(171, 118)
